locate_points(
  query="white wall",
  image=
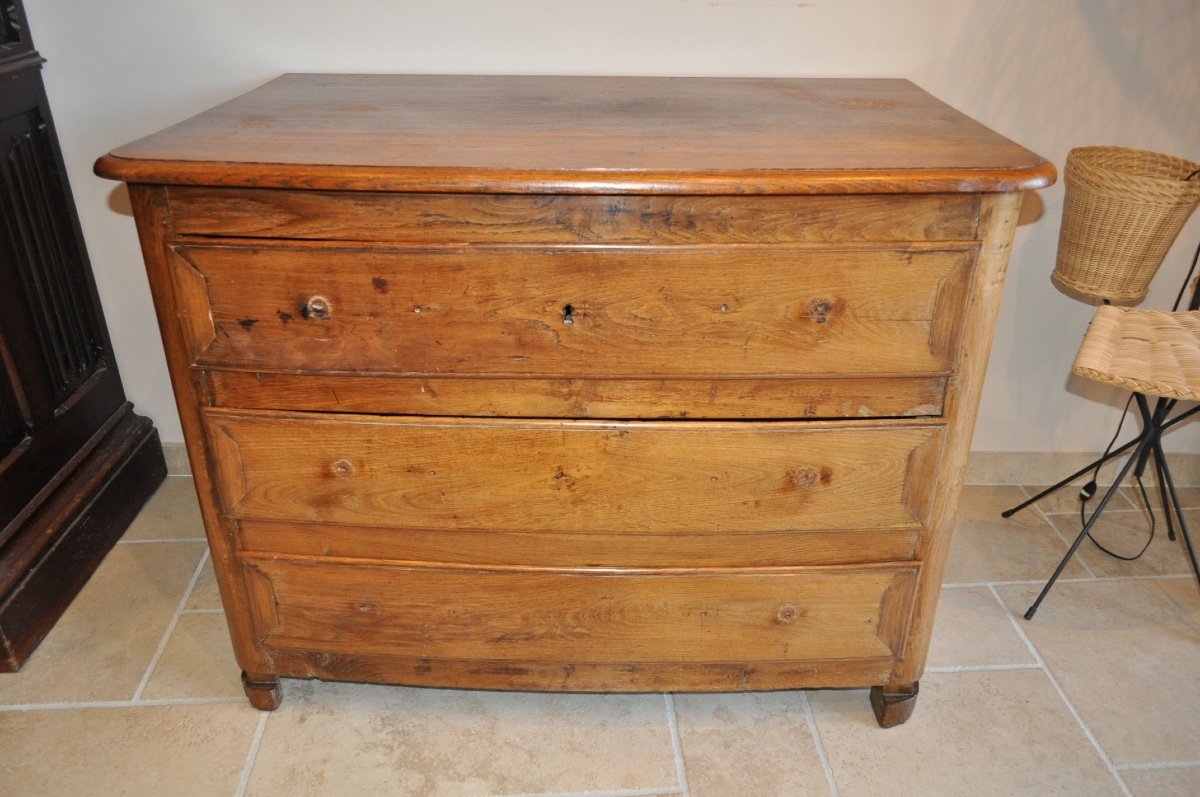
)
(1051, 74)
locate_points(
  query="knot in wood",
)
(820, 309)
(806, 477)
(786, 613)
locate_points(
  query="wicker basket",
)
(1123, 210)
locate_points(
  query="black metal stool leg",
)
(1055, 488)
(1082, 534)
(1144, 443)
(1162, 408)
(1160, 470)
(1175, 504)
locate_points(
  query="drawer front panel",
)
(456, 219)
(524, 615)
(572, 476)
(643, 311)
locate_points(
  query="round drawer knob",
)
(786, 613)
(317, 307)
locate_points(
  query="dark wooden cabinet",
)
(76, 463)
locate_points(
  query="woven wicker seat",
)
(1122, 211)
(1152, 352)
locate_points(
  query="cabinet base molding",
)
(58, 545)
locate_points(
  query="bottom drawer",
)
(615, 617)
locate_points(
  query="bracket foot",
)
(263, 691)
(894, 706)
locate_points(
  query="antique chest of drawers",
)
(582, 384)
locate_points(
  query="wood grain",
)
(412, 470)
(517, 615)
(567, 476)
(150, 211)
(819, 396)
(703, 548)
(543, 134)
(723, 310)
(430, 219)
(998, 224)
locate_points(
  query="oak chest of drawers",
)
(592, 384)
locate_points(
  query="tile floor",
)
(135, 693)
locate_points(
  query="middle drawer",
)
(561, 480)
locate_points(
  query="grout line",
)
(820, 745)
(668, 791)
(252, 754)
(202, 611)
(1161, 765)
(195, 577)
(1034, 582)
(1058, 533)
(1149, 577)
(150, 703)
(985, 584)
(162, 643)
(1087, 732)
(1137, 510)
(676, 744)
(983, 667)
(162, 646)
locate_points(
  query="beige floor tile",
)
(1126, 533)
(100, 648)
(151, 751)
(1066, 500)
(748, 744)
(971, 629)
(1176, 782)
(987, 547)
(340, 739)
(205, 594)
(973, 733)
(1126, 653)
(171, 513)
(197, 661)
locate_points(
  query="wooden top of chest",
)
(582, 135)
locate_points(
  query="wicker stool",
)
(1150, 353)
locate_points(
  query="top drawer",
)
(475, 218)
(596, 312)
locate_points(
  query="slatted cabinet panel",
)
(75, 462)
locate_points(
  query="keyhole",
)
(317, 307)
(568, 319)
